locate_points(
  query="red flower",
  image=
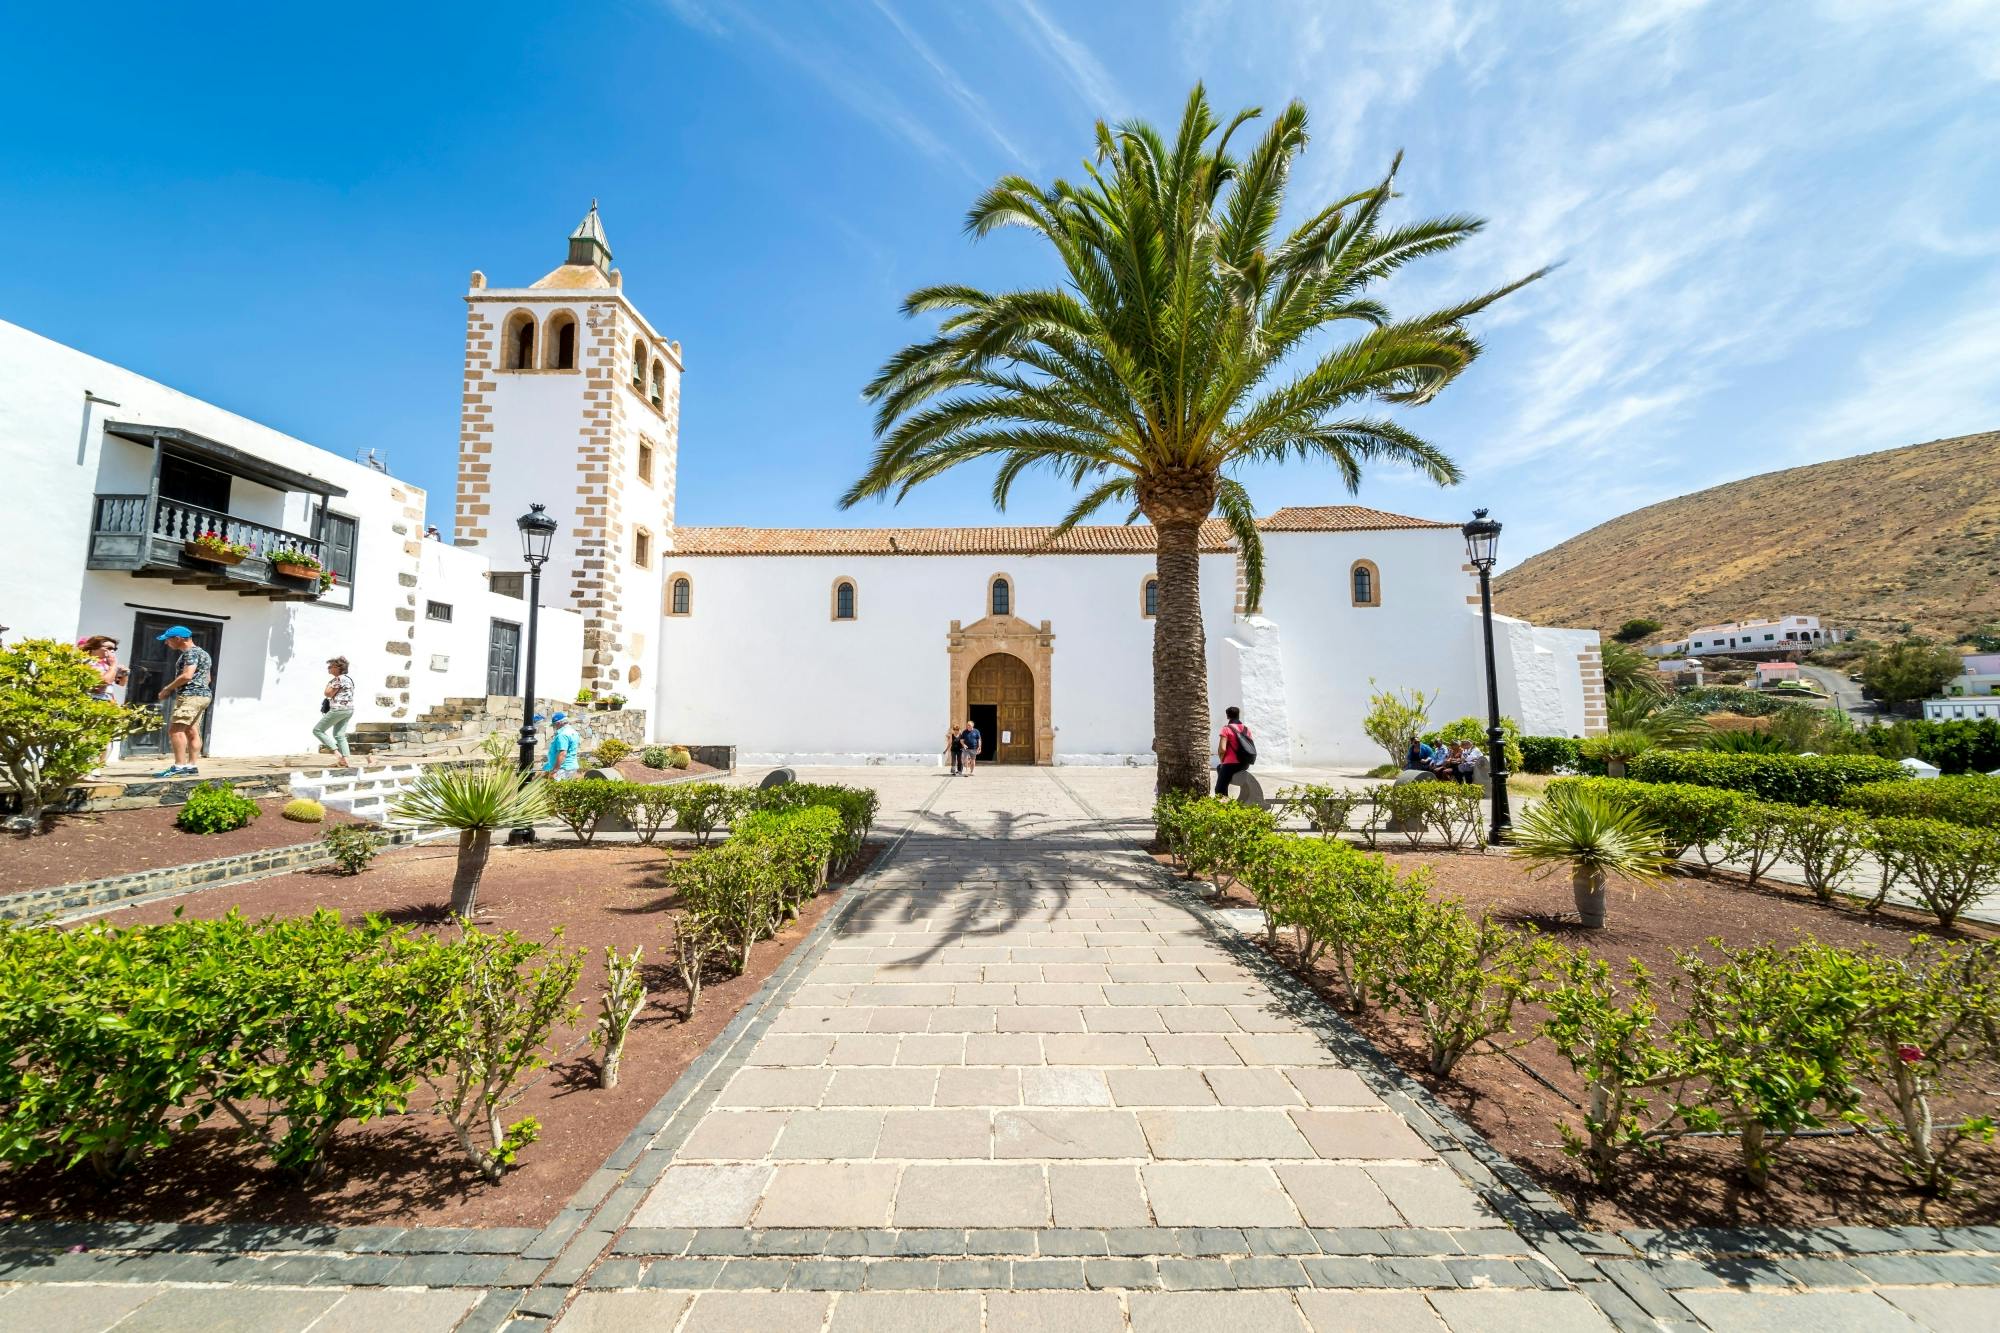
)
(1908, 1054)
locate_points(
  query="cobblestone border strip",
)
(525, 1265)
(86, 897)
(580, 1236)
(1065, 1242)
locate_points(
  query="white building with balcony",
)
(1738, 638)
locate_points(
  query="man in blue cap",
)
(192, 690)
(564, 749)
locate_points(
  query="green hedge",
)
(1794, 779)
(1974, 801)
(1962, 746)
(1689, 817)
(119, 1040)
(1547, 754)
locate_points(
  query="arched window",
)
(517, 342)
(1000, 596)
(1149, 597)
(1365, 582)
(639, 365)
(680, 595)
(843, 599)
(659, 384)
(560, 342)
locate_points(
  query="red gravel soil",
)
(118, 842)
(633, 771)
(1818, 1181)
(408, 1170)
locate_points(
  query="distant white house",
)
(1980, 677)
(1785, 634)
(1776, 673)
(1962, 709)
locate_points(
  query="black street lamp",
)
(538, 532)
(1482, 544)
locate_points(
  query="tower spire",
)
(587, 244)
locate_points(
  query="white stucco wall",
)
(760, 663)
(272, 654)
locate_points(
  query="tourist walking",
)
(953, 749)
(969, 742)
(191, 690)
(565, 749)
(336, 710)
(102, 650)
(1235, 750)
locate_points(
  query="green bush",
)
(1826, 842)
(1325, 809)
(1334, 900)
(1974, 801)
(736, 894)
(121, 1039)
(1794, 779)
(303, 811)
(1459, 978)
(1948, 866)
(1549, 754)
(650, 807)
(1758, 838)
(1614, 1039)
(609, 751)
(52, 731)
(582, 804)
(1688, 817)
(1218, 837)
(352, 846)
(1962, 746)
(856, 807)
(1474, 730)
(654, 756)
(215, 807)
(701, 808)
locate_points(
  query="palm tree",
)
(1596, 837)
(1175, 353)
(476, 801)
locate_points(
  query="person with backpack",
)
(1235, 750)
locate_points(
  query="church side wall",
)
(761, 664)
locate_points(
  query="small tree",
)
(1396, 718)
(1908, 671)
(617, 1009)
(475, 801)
(1639, 627)
(51, 731)
(1597, 837)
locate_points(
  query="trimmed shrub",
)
(1550, 754)
(1613, 1038)
(650, 806)
(609, 751)
(654, 756)
(303, 811)
(1688, 817)
(856, 807)
(352, 846)
(1949, 866)
(1795, 779)
(1459, 978)
(1758, 838)
(1825, 842)
(1973, 801)
(701, 808)
(1333, 899)
(215, 807)
(52, 731)
(1219, 837)
(583, 803)
(1325, 809)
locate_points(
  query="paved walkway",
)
(1020, 1081)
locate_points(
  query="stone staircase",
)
(453, 728)
(365, 793)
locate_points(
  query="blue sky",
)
(1779, 223)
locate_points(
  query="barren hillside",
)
(1909, 535)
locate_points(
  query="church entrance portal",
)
(1000, 697)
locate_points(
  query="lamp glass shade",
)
(538, 532)
(1482, 540)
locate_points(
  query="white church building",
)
(793, 645)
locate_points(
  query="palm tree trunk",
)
(473, 846)
(1180, 661)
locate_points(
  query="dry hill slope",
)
(1909, 535)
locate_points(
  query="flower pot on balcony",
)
(211, 554)
(296, 571)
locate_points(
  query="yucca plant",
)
(1188, 340)
(1597, 838)
(1670, 724)
(1617, 748)
(474, 800)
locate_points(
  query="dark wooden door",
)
(503, 658)
(1004, 682)
(152, 665)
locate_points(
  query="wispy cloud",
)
(848, 81)
(1085, 74)
(974, 105)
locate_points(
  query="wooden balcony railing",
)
(145, 532)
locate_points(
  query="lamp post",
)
(1482, 544)
(538, 532)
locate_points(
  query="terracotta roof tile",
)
(1101, 539)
